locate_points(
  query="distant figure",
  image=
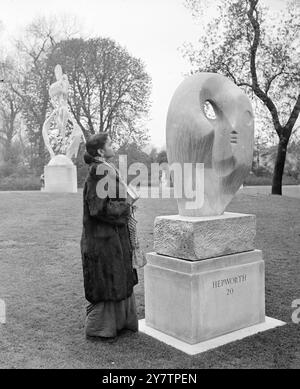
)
(42, 180)
(163, 179)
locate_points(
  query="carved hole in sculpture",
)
(248, 118)
(209, 110)
(233, 137)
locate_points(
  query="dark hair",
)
(94, 143)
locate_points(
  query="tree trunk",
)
(279, 166)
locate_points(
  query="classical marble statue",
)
(58, 92)
(210, 121)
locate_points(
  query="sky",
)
(152, 30)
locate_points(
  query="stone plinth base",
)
(194, 301)
(212, 343)
(195, 238)
(60, 178)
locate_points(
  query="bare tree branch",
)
(269, 82)
(256, 88)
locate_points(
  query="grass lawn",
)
(41, 283)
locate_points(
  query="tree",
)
(264, 136)
(260, 145)
(134, 154)
(10, 107)
(260, 56)
(109, 88)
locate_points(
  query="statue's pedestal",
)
(198, 300)
(60, 175)
(195, 238)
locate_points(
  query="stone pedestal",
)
(60, 175)
(199, 300)
(205, 282)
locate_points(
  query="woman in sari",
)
(109, 276)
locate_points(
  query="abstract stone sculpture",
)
(205, 279)
(221, 138)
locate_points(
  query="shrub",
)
(13, 182)
(82, 172)
(82, 168)
(261, 171)
(7, 169)
(267, 180)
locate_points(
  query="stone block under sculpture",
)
(199, 238)
(194, 301)
(60, 175)
(210, 121)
